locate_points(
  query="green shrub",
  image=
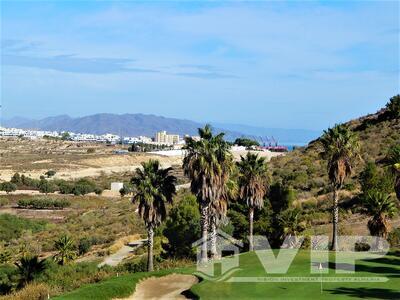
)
(50, 173)
(8, 187)
(43, 203)
(394, 238)
(46, 186)
(84, 246)
(11, 227)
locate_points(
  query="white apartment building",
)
(163, 138)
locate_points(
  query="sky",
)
(279, 64)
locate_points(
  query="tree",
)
(29, 267)
(206, 164)
(292, 224)
(381, 208)
(253, 185)
(65, 136)
(50, 173)
(154, 188)
(373, 178)
(46, 187)
(65, 250)
(393, 160)
(8, 187)
(340, 147)
(16, 179)
(182, 228)
(246, 142)
(393, 107)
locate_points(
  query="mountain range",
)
(148, 125)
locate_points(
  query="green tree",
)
(393, 160)
(340, 146)
(253, 185)
(28, 268)
(50, 173)
(393, 107)
(246, 142)
(293, 224)
(16, 179)
(381, 208)
(65, 247)
(154, 188)
(206, 163)
(8, 187)
(182, 228)
(46, 187)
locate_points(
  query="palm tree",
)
(28, 267)
(292, 223)
(393, 160)
(66, 250)
(207, 163)
(253, 186)
(340, 147)
(154, 187)
(381, 208)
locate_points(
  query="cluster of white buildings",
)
(78, 137)
(161, 138)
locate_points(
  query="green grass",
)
(388, 266)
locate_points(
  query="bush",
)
(46, 186)
(65, 187)
(84, 246)
(394, 238)
(50, 173)
(83, 187)
(12, 227)
(33, 291)
(393, 107)
(43, 203)
(8, 187)
(91, 151)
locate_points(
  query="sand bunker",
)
(165, 288)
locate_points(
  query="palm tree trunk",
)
(214, 253)
(150, 233)
(335, 220)
(204, 231)
(251, 218)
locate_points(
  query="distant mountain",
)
(148, 125)
(281, 135)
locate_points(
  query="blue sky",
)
(285, 64)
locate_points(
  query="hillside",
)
(305, 171)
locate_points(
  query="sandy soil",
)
(163, 288)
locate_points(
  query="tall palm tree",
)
(292, 223)
(66, 250)
(28, 267)
(206, 163)
(381, 208)
(253, 186)
(393, 159)
(340, 148)
(154, 187)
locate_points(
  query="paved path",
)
(114, 259)
(163, 288)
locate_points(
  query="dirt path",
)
(165, 288)
(114, 259)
